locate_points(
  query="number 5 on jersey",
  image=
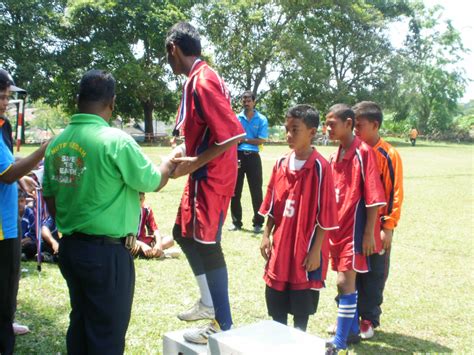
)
(289, 209)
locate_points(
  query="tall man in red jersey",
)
(359, 194)
(209, 155)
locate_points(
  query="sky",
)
(460, 12)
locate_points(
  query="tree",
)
(429, 83)
(126, 38)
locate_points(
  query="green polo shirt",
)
(95, 172)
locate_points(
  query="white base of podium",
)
(265, 337)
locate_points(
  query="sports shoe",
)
(19, 329)
(366, 329)
(331, 349)
(172, 253)
(234, 228)
(201, 335)
(257, 229)
(197, 312)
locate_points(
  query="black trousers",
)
(250, 165)
(370, 288)
(10, 252)
(101, 282)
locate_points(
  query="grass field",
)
(428, 299)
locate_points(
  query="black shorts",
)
(295, 302)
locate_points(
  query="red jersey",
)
(298, 201)
(206, 118)
(147, 226)
(358, 186)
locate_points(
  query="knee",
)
(211, 255)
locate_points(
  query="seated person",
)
(49, 232)
(150, 243)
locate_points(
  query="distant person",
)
(150, 243)
(11, 171)
(359, 195)
(250, 164)
(92, 176)
(413, 135)
(300, 206)
(208, 158)
(370, 286)
(324, 132)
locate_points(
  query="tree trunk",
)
(148, 119)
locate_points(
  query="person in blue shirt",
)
(250, 164)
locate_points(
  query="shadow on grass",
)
(47, 331)
(394, 343)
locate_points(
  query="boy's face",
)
(336, 127)
(142, 200)
(298, 135)
(365, 129)
(21, 205)
(4, 98)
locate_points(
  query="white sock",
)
(206, 298)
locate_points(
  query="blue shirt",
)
(28, 224)
(8, 197)
(255, 128)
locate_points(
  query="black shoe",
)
(234, 228)
(257, 229)
(331, 349)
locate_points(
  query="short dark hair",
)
(249, 93)
(307, 113)
(186, 37)
(343, 112)
(369, 110)
(5, 80)
(96, 86)
(22, 194)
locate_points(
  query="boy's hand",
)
(147, 250)
(185, 166)
(368, 244)
(386, 236)
(312, 261)
(55, 246)
(157, 252)
(265, 247)
(25, 241)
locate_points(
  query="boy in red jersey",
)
(359, 194)
(301, 206)
(370, 286)
(211, 132)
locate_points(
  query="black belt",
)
(247, 152)
(96, 239)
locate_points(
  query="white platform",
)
(174, 344)
(265, 337)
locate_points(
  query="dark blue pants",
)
(9, 278)
(370, 287)
(101, 282)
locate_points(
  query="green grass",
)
(428, 299)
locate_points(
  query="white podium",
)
(265, 337)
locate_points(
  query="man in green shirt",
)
(93, 174)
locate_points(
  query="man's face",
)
(173, 59)
(248, 103)
(336, 127)
(365, 129)
(4, 98)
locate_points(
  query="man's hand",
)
(265, 247)
(368, 243)
(386, 236)
(312, 261)
(186, 165)
(28, 185)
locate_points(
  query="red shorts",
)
(202, 212)
(343, 257)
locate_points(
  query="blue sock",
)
(345, 317)
(218, 286)
(355, 324)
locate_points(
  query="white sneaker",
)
(197, 312)
(172, 253)
(201, 335)
(19, 329)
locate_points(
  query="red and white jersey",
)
(358, 186)
(147, 225)
(206, 118)
(298, 201)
